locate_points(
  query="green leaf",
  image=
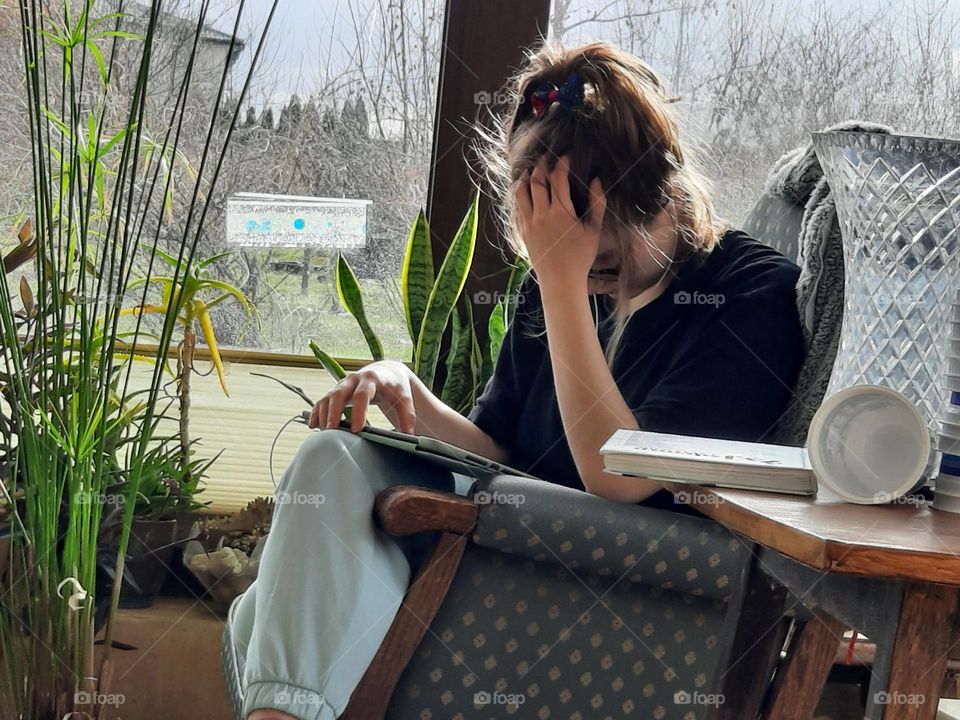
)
(98, 57)
(416, 276)
(348, 288)
(331, 365)
(443, 296)
(460, 378)
(518, 274)
(496, 329)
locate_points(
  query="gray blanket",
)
(797, 178)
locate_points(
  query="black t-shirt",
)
(716, 355)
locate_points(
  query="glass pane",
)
(343, 108)
(756, 77)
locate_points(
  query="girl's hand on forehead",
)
(562, 248)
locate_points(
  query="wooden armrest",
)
(407, 509)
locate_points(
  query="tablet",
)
(435, 451)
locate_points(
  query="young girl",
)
(642, 311)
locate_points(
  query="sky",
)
(306, 34)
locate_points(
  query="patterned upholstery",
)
(776, 222)
(570, 606)
(639, 544)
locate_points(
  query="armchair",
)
(540, 601)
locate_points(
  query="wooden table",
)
(891, 572)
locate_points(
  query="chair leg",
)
(758, 638)
(799, 681)
(372, 696)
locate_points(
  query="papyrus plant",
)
(97, 204)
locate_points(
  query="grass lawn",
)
(298, 319)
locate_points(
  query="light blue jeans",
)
(329, 582)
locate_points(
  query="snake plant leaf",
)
(331, 365)
(459, 382)
(206, 326)
(443, 296)
(518, 274)
(416, 276)
(496, 330)
(348, 288)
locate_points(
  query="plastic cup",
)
(946, 502)
(949, 484)
(947, 444)
(869, 444)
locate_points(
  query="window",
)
(342, 108)
(756, 77)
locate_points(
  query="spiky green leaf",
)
(348, 288)
(416, 275)
(444, 294)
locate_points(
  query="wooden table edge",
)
(842, 558)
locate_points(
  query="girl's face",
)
(635, 259)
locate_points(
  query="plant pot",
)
(896, 198)
(149, 556)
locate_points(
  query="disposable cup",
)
(946, 502)
(869, 444)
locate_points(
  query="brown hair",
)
(623, 132)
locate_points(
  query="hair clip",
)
(569, 96)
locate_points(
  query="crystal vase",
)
(898, 204)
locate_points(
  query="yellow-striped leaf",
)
(348, 288)
(416, 276)
(443, 296)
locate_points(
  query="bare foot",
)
(269, 715)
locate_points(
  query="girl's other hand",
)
(386, 384)
(562, 248)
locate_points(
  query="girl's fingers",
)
(560, 185)
(521, 196)
(362, 397)
(406, 416)
(319, 411)
(338, 400)
(598, 203)
(540, 186)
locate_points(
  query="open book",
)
(706, 461)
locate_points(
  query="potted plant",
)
(432, 301)
(200, 293)
(66, 351)
(165, 501)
